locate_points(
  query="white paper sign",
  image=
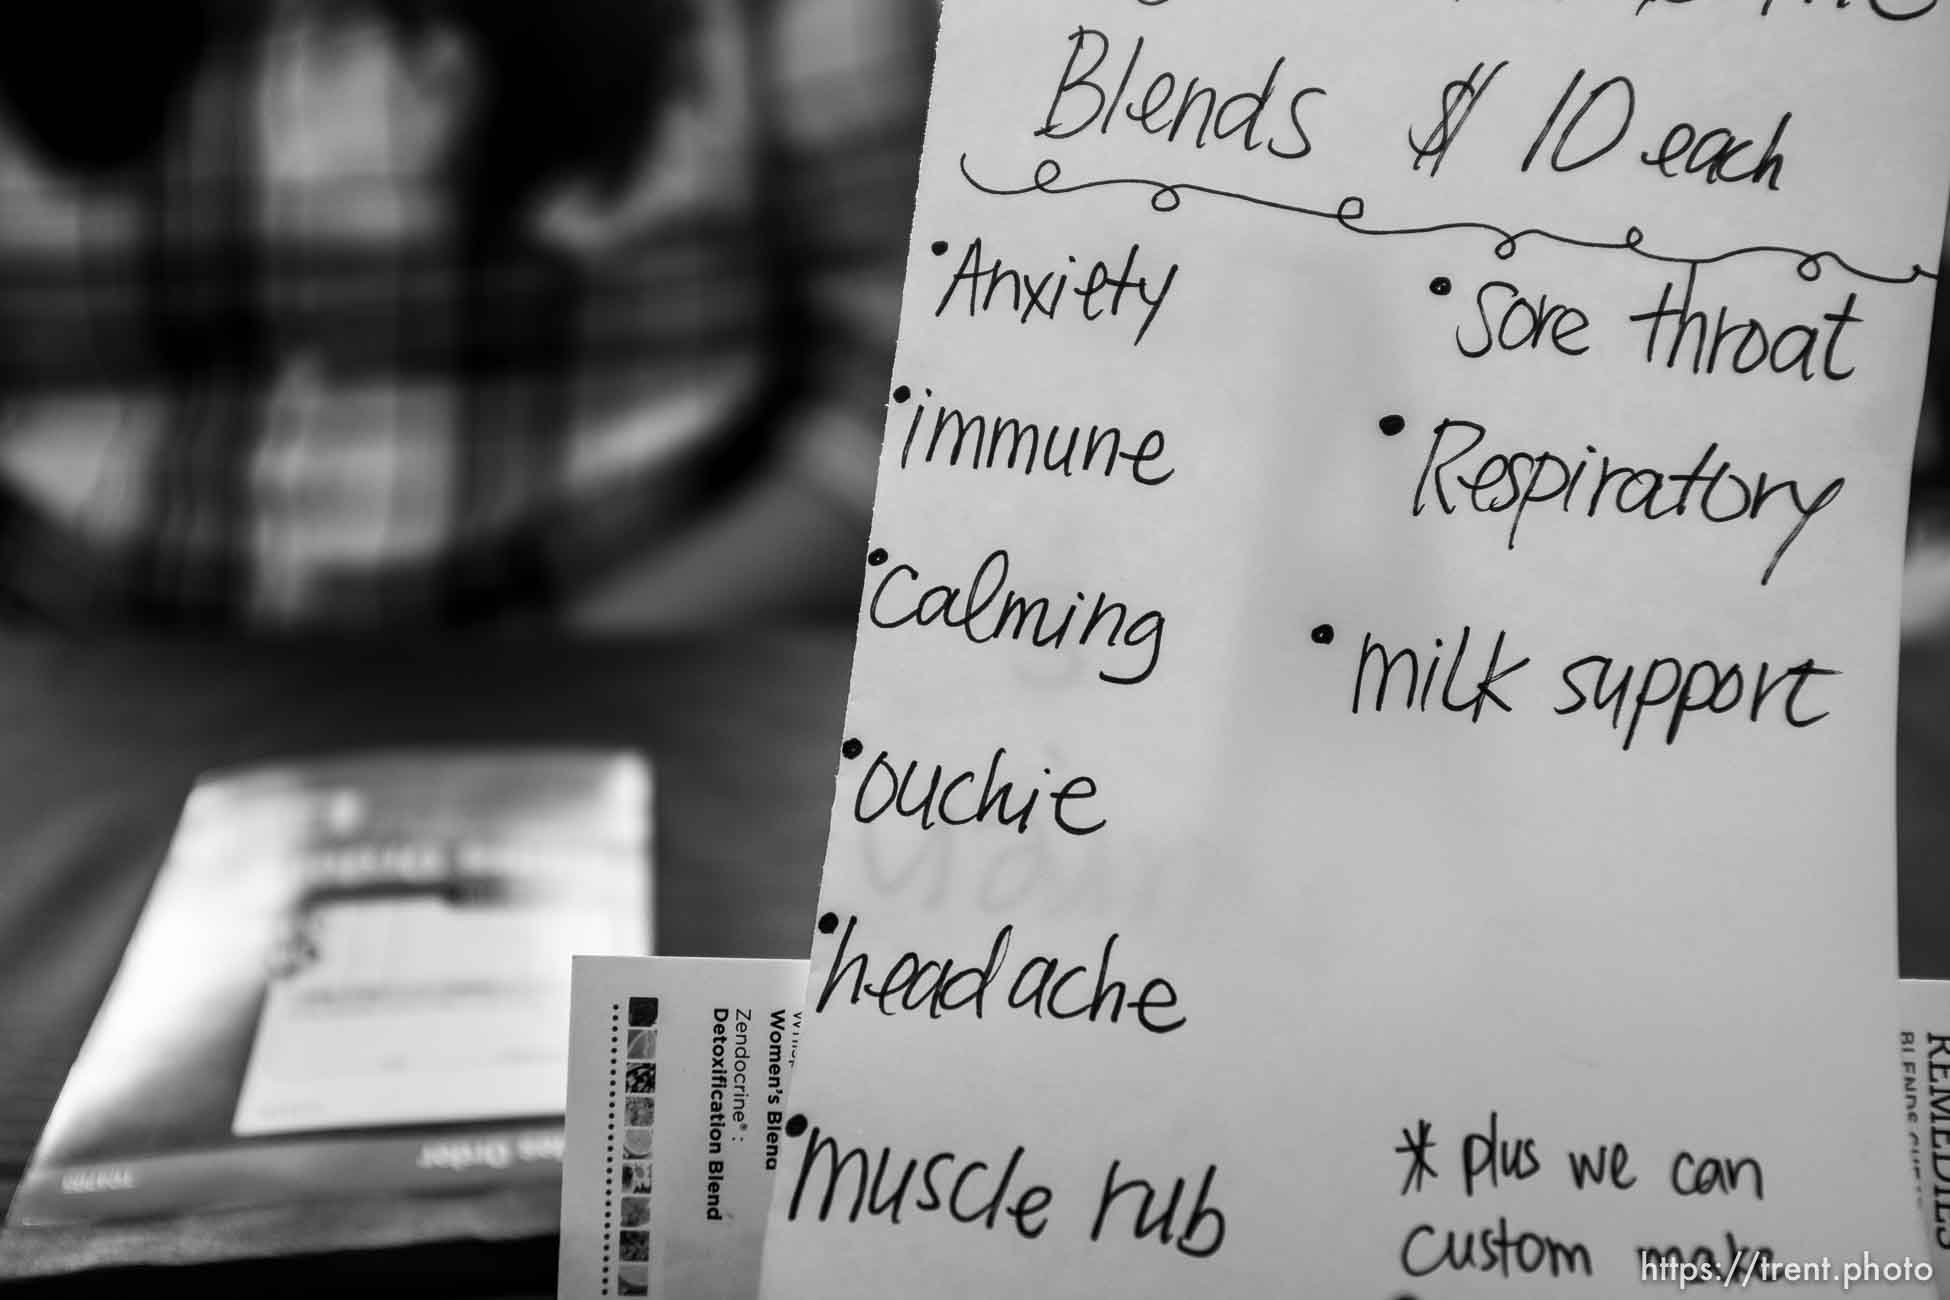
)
(678, 1068)
(1368, 768)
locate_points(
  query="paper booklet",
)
(350, 982)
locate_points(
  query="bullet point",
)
(1324, 634)
(1392, 425)
(877, 556)
(1440, 286)
(828, 923)
(852, 748)
(939, 247)
(795, 1126)
(902, 393)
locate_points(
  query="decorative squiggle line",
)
(1349, 213)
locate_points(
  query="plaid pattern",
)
(262, 382)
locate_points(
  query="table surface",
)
(100, 742)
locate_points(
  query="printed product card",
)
(1926, 1105)
(678, 1069)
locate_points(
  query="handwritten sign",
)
(1368, 769)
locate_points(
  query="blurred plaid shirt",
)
(255, 386)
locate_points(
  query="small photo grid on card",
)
(630, 1138)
